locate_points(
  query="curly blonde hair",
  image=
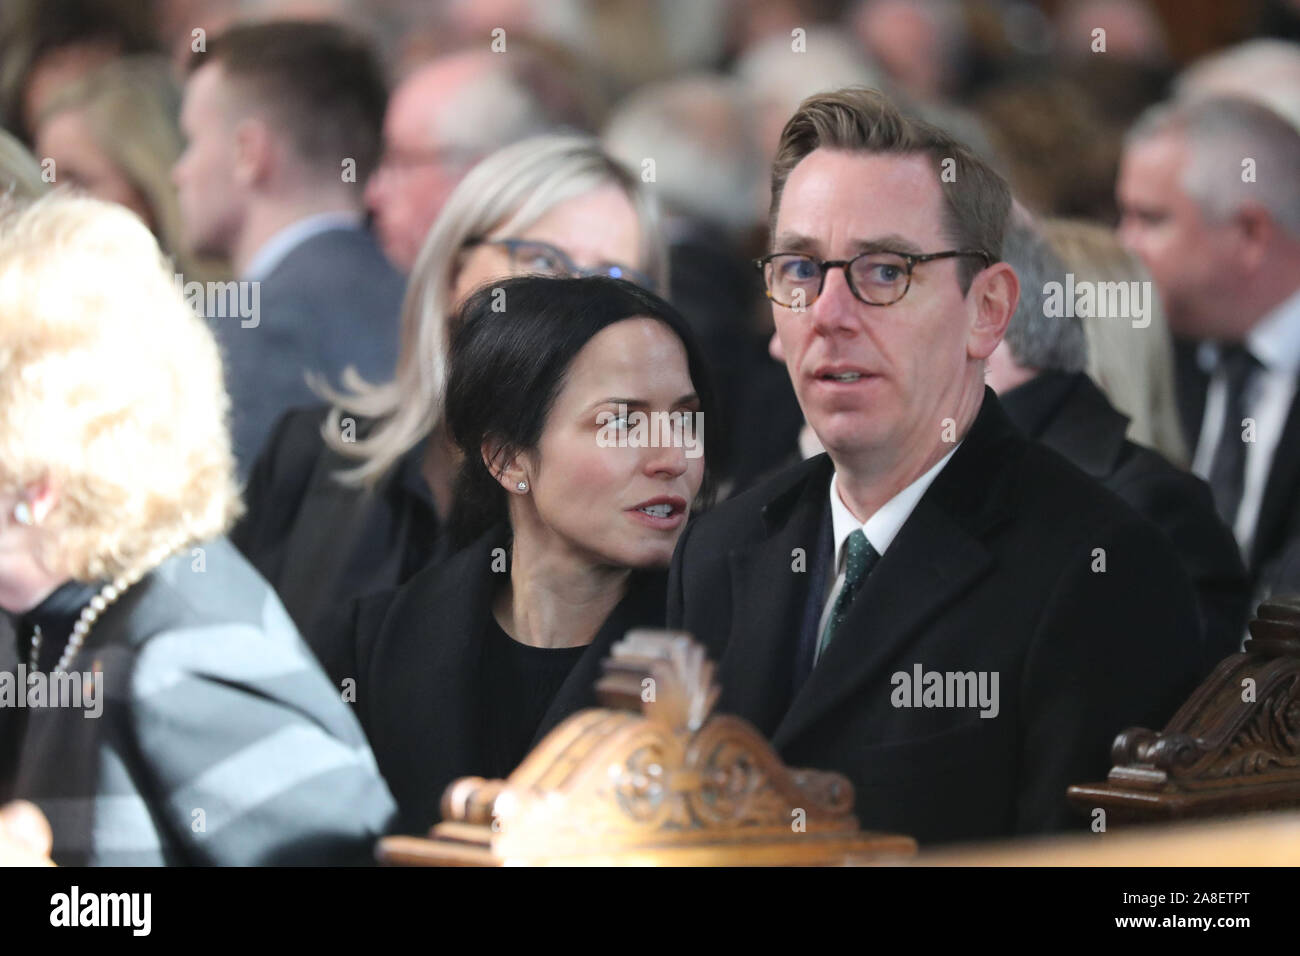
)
(110, 389)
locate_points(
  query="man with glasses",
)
(953, 617)
(442, 119)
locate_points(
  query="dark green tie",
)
(861, 557)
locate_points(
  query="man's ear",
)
(254, 152)
(993, 296)
(1254, 230)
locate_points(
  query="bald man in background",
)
(445, 117)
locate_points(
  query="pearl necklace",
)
(89, 615)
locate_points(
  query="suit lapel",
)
(770, 585)
(929, 564)
(465, 611)
(426, 683)
(937, 555)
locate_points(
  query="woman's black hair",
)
(512, 344)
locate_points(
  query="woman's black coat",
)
(417, 655)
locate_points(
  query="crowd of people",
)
(978, 327)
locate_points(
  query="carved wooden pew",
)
(650, 778)
(1232, 748)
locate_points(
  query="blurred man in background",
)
(1038, 371)
(283, 123)
(921, 44)
(1209, 193)
(445, 117)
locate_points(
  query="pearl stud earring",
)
(23, 514)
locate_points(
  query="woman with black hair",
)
(578, 405)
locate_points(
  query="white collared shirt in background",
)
(1275, 343)
(272, 252)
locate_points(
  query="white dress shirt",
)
(1275, 343)
(272, 252)
(881, 528)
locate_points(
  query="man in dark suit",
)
(1021, 615)
(1209, 193)
(1038, 372)
(283, 122)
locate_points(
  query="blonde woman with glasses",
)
(356, 497)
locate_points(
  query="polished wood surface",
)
(1268, 839)
(1232, 748)
(666, 783)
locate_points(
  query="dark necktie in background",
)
(861, 557)
(1228, 466)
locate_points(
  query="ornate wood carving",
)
(1233, 747)
(657, 780)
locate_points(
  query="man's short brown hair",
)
(977, 201)
(321, 83)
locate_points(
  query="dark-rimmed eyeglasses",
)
(531, 256)
(795, 280)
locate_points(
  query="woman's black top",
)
(524, 681)
(443, 693)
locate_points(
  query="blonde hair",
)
(110, 389)
(508, 191)
(132, 109)
(1133, 366)
(20, 176)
